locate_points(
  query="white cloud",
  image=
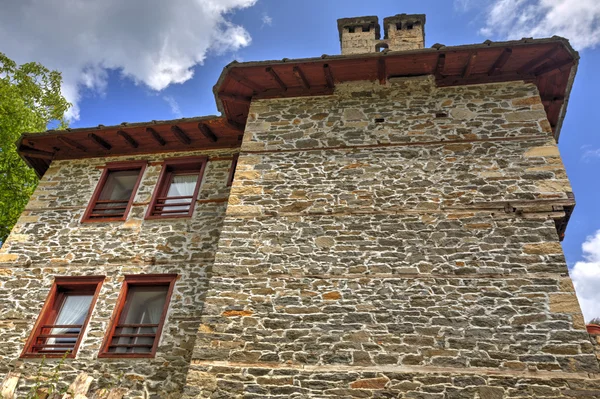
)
(266, 21)
(153, 42)
(586, 277)
(577, 20)
(589, 153)
(173, 105)
(464, 5)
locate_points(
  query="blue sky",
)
(108, 52)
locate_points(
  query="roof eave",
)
(25, 158)
(563, 108)
(120, 126)
(236, 65)
(487, 44)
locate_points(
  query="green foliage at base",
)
(45, 386)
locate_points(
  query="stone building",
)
(381, 224)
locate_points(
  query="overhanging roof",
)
(185, 134)
(549, 63)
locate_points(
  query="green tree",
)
(30, 99)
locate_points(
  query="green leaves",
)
(30, 99)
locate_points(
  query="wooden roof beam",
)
(157, 137)
(300, 77)
(276, 78)
(234, 98)
(470, 64)
(482, 78)
(552, 68)
(180, 135)
(33, 153)
(551, 99)
(206, 132)
(500, 62)
(533, 64)
(72, 144)
(235, 125)
(99, 141)
(441, 62)
(328, 76)
(246, 82)
(128, 139)
(381, 71)
(552, 107)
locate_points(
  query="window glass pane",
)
(117, 190)
(73, 311)
(181, 186)
(144, 305)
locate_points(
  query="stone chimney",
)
(405, 31)
(360, 35)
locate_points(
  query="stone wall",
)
(395, 241)
(406, 39)
(410, 36)
(49, 241)
(595, 338)
(357, 41)
(78, 389)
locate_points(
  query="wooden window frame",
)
(112, 167)
(144, 280)
(50, 309)
(234, 163)
(163, 185)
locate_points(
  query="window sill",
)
(154, 217)
(47, 355)
(125, 355)
(107, 220)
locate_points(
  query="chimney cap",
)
(402, 19)
(370, 21)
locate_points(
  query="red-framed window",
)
(139, 316)
(115, 191)
(64, 317)
(177, 189)
(232, 170)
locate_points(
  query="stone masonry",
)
(358, 257)
(50, 241)
(596, 343)
(393, 239)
